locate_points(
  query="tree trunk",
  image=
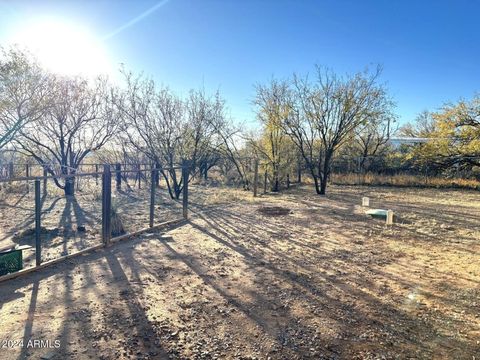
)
(178, 185)
(178, 191)
(69, 186)
(167, 181)
(317, 187)
(157, 175)
(276, 183)
(326, 172)
(323, 185)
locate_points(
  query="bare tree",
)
(154, 124)
(325, 112)
(204, 114)
(120, 151)
(169, 130)
(370, 140)
(232, 144)
(79, 121)
(23, 92)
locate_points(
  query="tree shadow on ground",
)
(81, 325)
(342, 282)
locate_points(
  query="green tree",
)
(455, 142)
(274, 145)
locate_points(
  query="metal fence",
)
(397, 171)
(119, 175)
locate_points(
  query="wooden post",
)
(38, 210)
(45, 174)
(77, 180)
(96, 174)
(157, 178)
(299, 172)
(118, 176)
(265, 182)
(152, 196)
(288, 181)
(27, 174)
(185, 171)
(10, 170)
(255, 179)
(139, 175)
(106, 204)
(358, 171)
(104, 224)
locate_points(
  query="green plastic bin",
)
(10, 261)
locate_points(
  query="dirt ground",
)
(287, 276)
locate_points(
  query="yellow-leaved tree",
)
(273, 145)
(455, 141)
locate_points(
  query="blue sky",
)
(429, 49)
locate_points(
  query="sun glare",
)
(64, 48)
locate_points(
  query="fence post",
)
(205, 172)
(157, 178)
(152, 195)
(288, 181)
(45, 174)
(255, 178)
(265, 182)
(11, 175)
(185, 170)
(139, 175)
(358, 171)
(118, 176)
(106, 204)
(299, 173)
(77, 182)
(27, 174)
(96, 174)
(38, 209)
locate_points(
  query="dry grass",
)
(404, 181)
(212, 195)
